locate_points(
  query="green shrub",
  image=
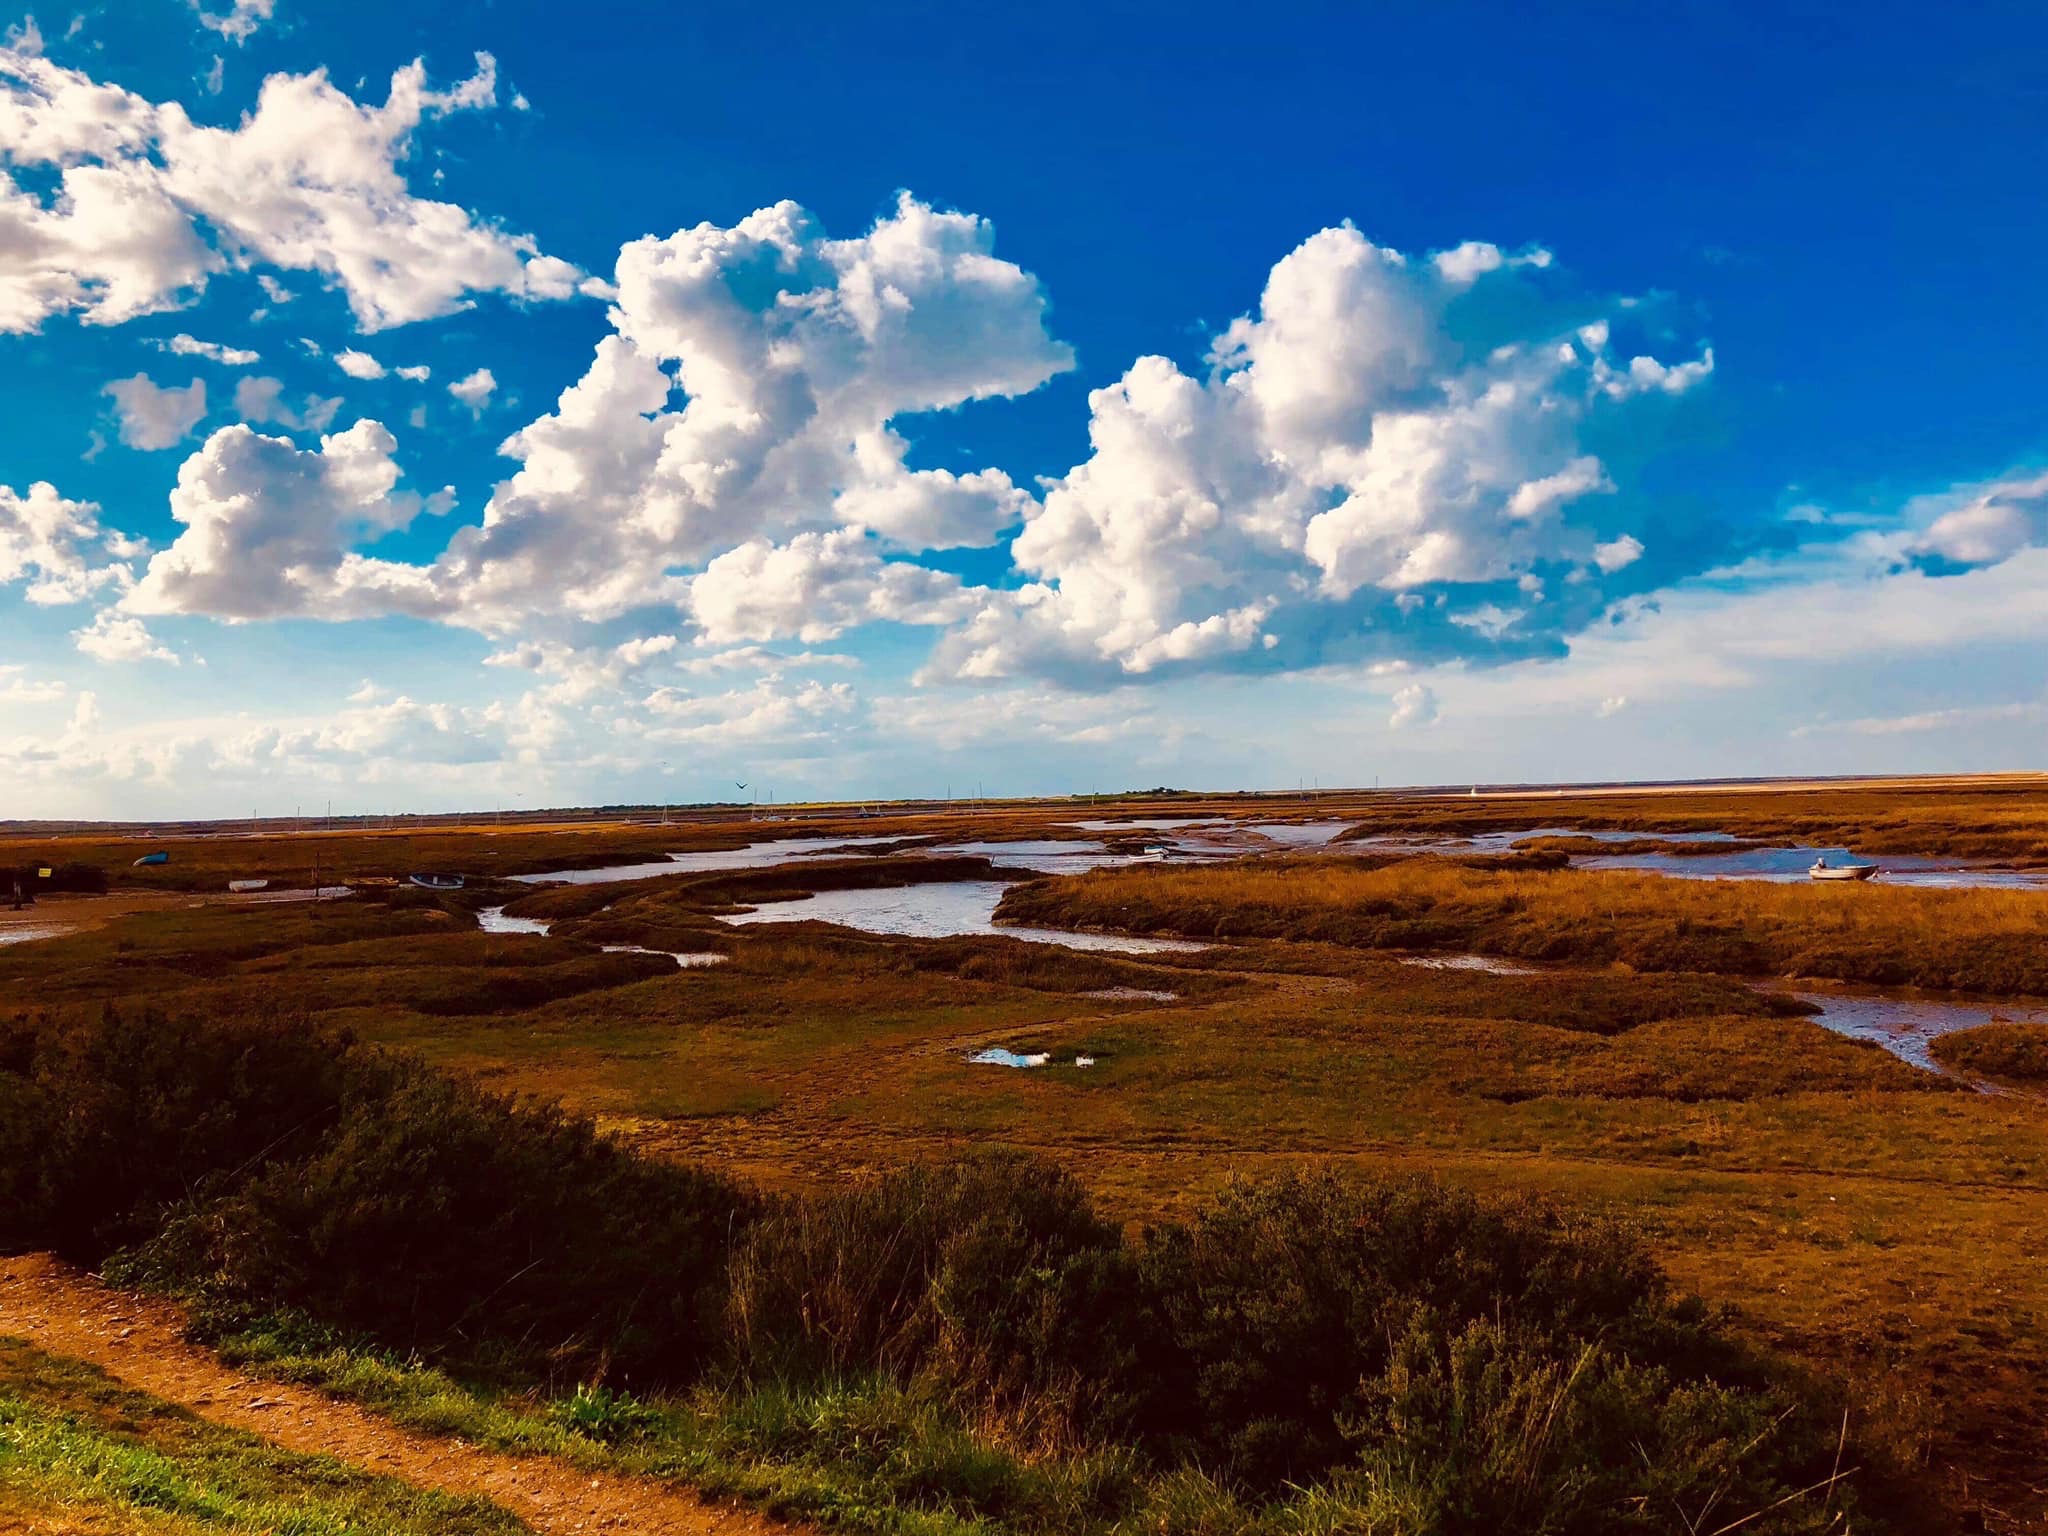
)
(278, 1165)
(599, 1413)
(1284, 1298)
(988, 1278)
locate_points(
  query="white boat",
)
(1823, 870)
(247, 885)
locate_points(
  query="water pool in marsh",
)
(1786, 862)
(1906, 1025)
(494, 920)
(941, 910)
(706, 860)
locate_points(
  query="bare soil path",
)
(139, 1341)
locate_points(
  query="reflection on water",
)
(706, 860)
(1792, 863)
(1298, 834)
(1045, 856)
(940, 910)
(1907, 1026)
(1486, 963)
(1150, 823)
(38, 931)
(494, 920)
(689, 960)
(1782, 863)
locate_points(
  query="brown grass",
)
(1985, 940)
(2015, 1051)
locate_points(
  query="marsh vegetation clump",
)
(2017, 1051)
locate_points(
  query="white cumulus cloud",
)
(268, 527)
(148, 205)
(182, 345)
(475, 389)
(358, 365)
(117, 638)
(155, 416)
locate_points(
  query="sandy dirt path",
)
(138, 1341)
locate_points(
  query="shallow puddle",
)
(941, 910)
(1486, 963)
(1297, 834)
(689, 960)
(996, 1056)
(1787, 863)
(1132, 994)
(1906, 1026)
(707, 861)
(494, 920)
(36, 931)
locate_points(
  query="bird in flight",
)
(737, 783)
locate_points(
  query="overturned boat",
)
(1823, 870)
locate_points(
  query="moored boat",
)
(435, 880)
(1823, 870)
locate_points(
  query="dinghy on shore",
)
(1823, 870)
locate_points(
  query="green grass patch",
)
(72, 1442)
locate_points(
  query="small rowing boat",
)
(1823, 870)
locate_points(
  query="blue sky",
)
(864, 401)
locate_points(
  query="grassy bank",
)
(1983, 940)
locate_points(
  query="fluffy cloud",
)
(1992, 524)
(1378, 442)
(259, 400)
(154, 416)
(115, 637)
(49, 542)
(182, 345)
(817, 586)
(475, 390)
(1414, 705)
(789, 716)
(240, 21)
(358, 365)
(268, 530)
(148, 204)
(794, 353)
(1392, 457)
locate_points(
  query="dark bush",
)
(988, 1278)
(278, 1165)
(1284, 1298)
(134, 1111)
(450, 1221)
